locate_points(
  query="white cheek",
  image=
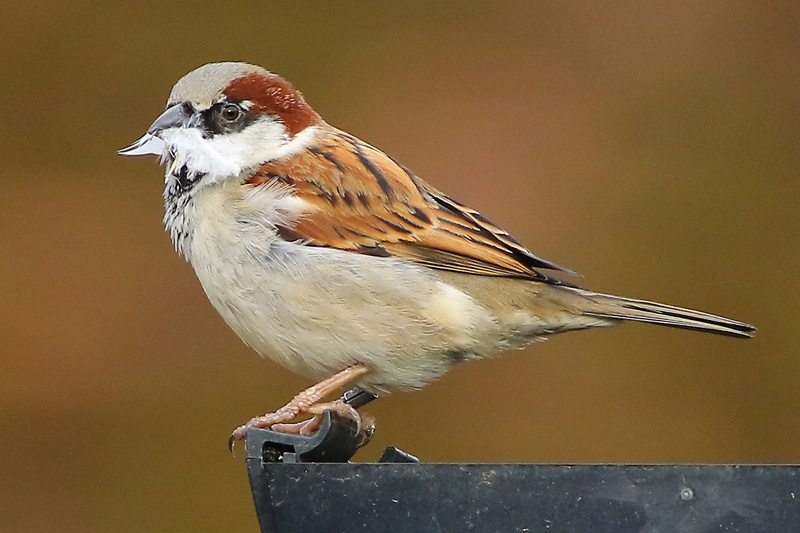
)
(228, 155)
(198, 154)
(258, 143)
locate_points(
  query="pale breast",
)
(317, 310)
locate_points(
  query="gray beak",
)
(175, 116)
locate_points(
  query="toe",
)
(305, 428)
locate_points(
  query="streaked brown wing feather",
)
(362, 200)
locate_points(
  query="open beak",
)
(150, 144)
(147, 145)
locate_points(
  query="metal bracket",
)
(336, 441)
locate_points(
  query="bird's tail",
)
(618, 308)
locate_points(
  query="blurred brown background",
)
(650, 146)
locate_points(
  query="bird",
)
(328, 256)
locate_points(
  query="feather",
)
(364, 201)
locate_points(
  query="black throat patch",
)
(185, 180)
(178, 204)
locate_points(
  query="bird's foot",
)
(305, 428)
(307, 401)
(312, 425)
(365, 423)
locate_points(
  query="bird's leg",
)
(307, 402)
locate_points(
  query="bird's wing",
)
(360, 199)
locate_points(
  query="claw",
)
(236, 436)
(367, 429)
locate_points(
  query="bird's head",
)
(226, 119)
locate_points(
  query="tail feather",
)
(618, 308)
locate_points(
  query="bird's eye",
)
(231, 112)
(224, 117)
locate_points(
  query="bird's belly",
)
(316, 311)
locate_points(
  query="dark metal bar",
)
(402, 495)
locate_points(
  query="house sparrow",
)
(331, 258)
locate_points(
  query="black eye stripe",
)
(215, 122)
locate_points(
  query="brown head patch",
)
(271, 94)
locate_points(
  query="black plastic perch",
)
(306, 484)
